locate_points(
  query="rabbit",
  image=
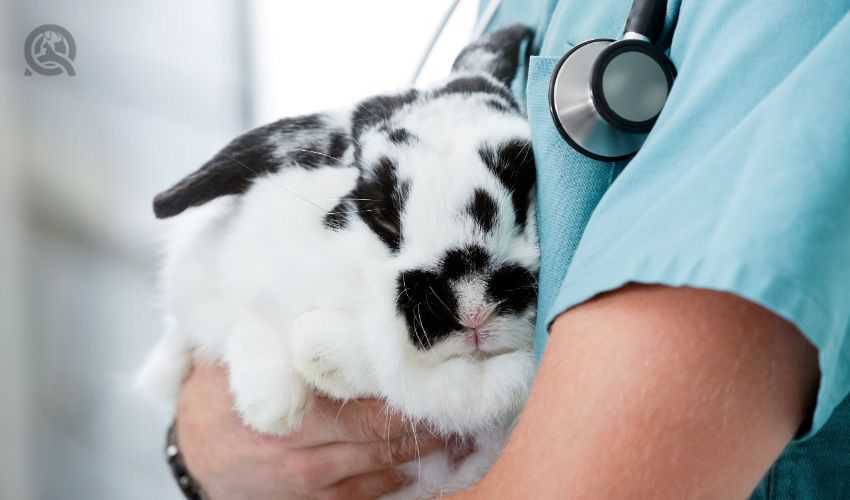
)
(386, 250)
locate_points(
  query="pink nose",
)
(476, 318)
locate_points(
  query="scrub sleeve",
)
(742, 186)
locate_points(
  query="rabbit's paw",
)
(269, 395)
(273, 407)
(326, 352)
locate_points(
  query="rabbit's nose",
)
(477, 316)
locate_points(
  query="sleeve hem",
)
(749, 280)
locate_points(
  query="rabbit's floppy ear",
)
(308, 141)
(496, 53)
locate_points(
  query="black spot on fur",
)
(498, 105)
(483, 210)
(427, 299)
(513, 288)
(379, 109)
(464, 261)
(337, 218)
(429, 306)
(299, 123)
(380, 197)
(337, 146)
(309, 156)
(513, 163)
(477, 84)
(496, 53)
(400, 136)
(258, 152)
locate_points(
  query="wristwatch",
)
(185, 481)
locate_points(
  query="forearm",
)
(653, 392)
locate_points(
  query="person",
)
(694, 302)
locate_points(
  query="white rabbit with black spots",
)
(386, 251)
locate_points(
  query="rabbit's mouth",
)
(477, 336)
(481, 335)
(479, 355)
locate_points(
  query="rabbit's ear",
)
(496, 53)
(307, 141)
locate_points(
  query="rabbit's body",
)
(386, 252)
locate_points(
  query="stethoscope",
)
(605, 95)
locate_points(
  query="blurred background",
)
(159, 87)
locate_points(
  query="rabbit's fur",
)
(386, 251)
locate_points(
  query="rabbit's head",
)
(447, 183)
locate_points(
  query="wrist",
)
(187, 484)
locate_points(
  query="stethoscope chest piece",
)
(605, 96)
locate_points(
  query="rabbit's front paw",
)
(273, 407)
(269, 395)
(326, 352)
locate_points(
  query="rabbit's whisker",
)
(293, 193)
(449, 309)
(416, 310)
(418, 456)
(313, 152)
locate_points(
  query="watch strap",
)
(181, 474)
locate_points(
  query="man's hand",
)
(657, 392)
(341, 451)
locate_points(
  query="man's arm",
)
(657, 392)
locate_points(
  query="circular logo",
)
(50, 50)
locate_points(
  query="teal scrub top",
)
(742, 186)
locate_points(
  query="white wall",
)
(321, 54)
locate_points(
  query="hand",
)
(341, 451)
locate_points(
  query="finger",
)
(329, 421)
(364, 420)
(372, 485)
(338, 461)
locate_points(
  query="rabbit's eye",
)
(512, 162)
(381, 197)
